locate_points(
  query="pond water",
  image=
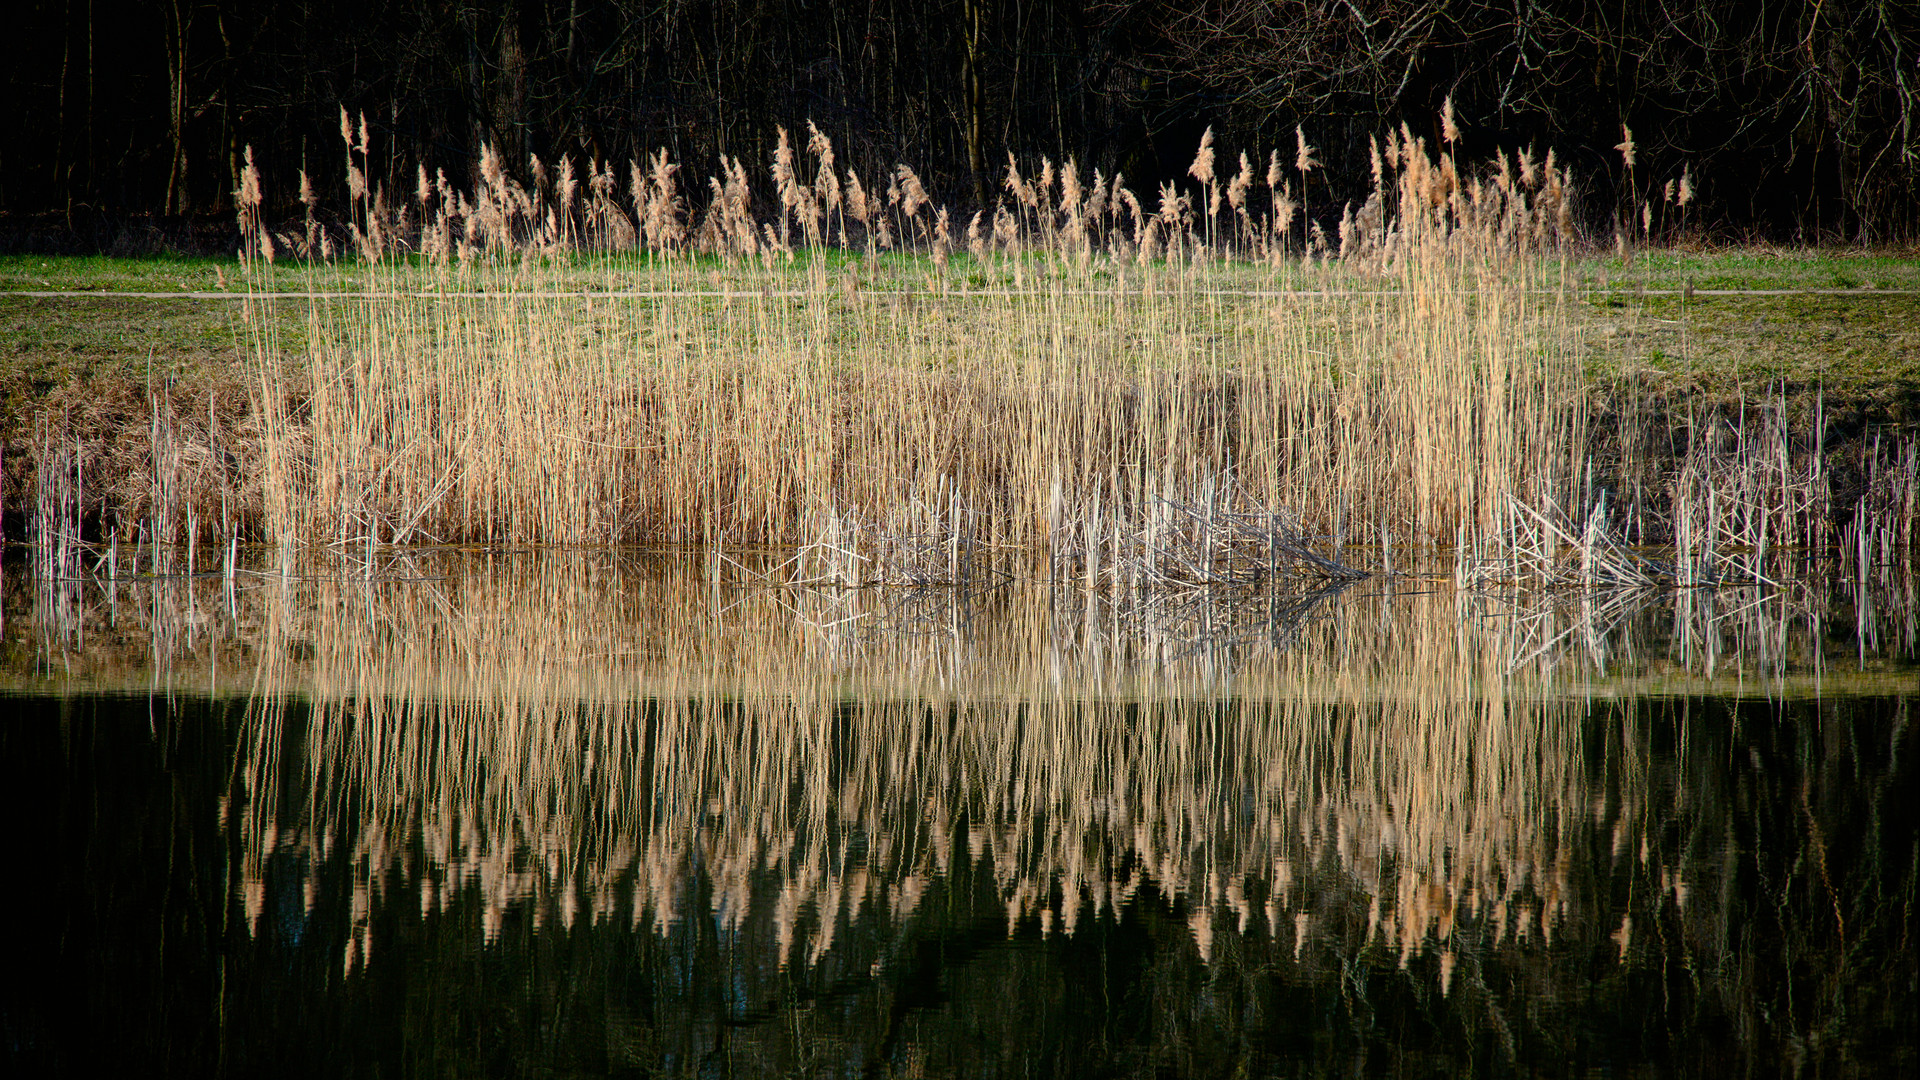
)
(564, 813)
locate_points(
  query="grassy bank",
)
(1061, 379)
(1861, 347)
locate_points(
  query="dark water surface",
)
(581, 815)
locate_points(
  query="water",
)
(587, 814)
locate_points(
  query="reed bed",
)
(556, 356)
(1075, 360)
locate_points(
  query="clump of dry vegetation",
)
(837, 352)
(1077, 363)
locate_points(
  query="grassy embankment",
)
(1074, 378)
(1844, 321)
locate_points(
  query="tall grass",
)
(844, 355)
(575, 360)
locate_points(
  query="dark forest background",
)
(1798, 120)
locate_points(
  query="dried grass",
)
(1076, 357)
(1111, 373)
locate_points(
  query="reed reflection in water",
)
(614, 626)
(1438, 826)
(1435, 784)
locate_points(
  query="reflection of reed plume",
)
(793, 814)
(1498, 799)
(796, 778)
(794, 764)
(562, 741)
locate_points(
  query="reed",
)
(844, 366)
(746, 384)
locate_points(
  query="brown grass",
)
(769, 364)
(806, 385)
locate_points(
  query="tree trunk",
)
(179, 23)
(976, 100)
